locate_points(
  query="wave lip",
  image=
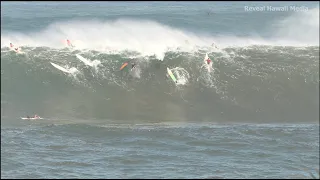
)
(152, 38)
(301, 26)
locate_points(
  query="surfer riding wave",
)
(208, 61)
(69, 43)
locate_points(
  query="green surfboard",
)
(171, 75)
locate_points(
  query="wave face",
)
(250, 84)
(268, 77)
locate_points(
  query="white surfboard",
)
(84, 60)
(208, 66)
(24, 118)
(17, 51)
(60, 68)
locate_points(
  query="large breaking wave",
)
(254, 79)
(256, 83)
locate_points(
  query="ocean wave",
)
(153, 38)
(259, 84)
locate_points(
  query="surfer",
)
(133, 65)
(208, 61)
(35, 117)
(15, 49)
(214, 45)
(69, 43)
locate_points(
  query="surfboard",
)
(60, 68)
(24, 118)
(84, 60)
(123, 66)
(14, 49)
(171, 75)
(206, 57)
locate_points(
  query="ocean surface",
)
(255, 115)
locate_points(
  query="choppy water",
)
(256, 115)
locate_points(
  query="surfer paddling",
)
(34, 117)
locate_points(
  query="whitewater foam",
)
(181, 74)
(301, 26)
(150, 38)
